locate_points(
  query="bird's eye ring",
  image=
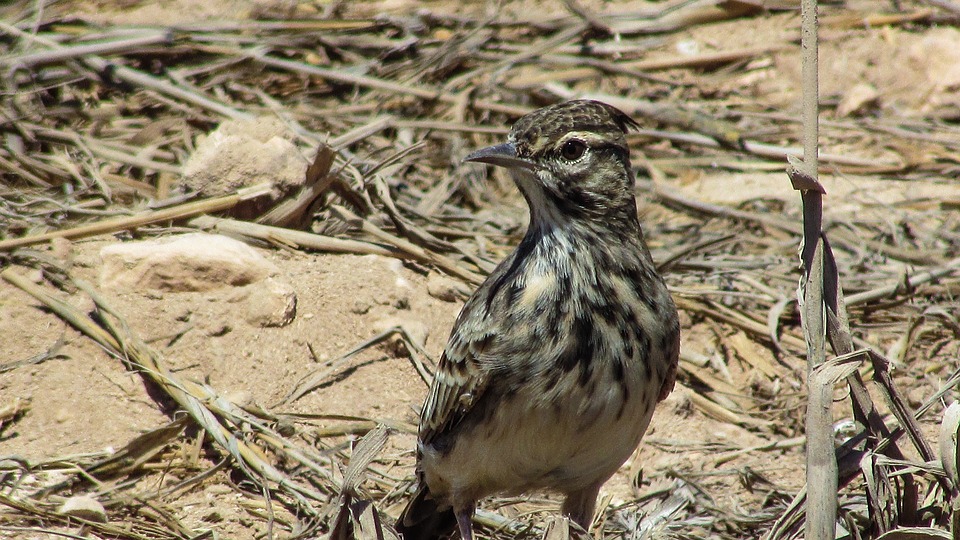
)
(573, 149)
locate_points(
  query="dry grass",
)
(112, 113)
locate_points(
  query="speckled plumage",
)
(552, 370)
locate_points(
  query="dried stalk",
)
(181, 211)
(821, 460)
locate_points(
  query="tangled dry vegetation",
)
(98, 121)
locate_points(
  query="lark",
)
(555, 364)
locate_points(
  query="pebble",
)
(84, 507)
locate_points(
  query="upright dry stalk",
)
(821, 458)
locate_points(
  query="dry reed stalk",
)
(815, 287)
(181, 211)
(408, 248)
(290, 238)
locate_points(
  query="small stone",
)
(190, 262)
(361, 307)
(242, 153)
(844, 430)
(680, 404)
(688, 47)
(916, 397)
(401, 302)
(270, 303)
(445, 288)
(86, 260)
(62, 249)
(84, 507)
(217, 329)
(241, 398)
(214, 516)
(858, 100)
(285, 427)
(62, 415)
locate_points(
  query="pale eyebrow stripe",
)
(585, 136)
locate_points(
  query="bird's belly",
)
(532, 443)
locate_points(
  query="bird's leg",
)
(579, 505)
(465, 521)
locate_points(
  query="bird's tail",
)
(423, 519)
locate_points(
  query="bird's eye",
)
(573, 149)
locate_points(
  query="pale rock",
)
(361, 306)
(396, 266)
(916, 397)
(86, 259)
(191, 262)
(84, 507)
(445, 288)
(680, 403)
(688, 47)
(242, 398)
(62, 249)
(844, 430)
(242, 153)
(62, 415)
(858, 100)
(936, 52)
(216, 328)
(270, 303)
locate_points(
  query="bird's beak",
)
(502, 155)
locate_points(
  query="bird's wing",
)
(458, 384)
(480, 345)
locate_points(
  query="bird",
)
(554, 365)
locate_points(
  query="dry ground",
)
(711, 441)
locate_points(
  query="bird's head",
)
(570, 161)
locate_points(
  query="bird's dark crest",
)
(533, 132)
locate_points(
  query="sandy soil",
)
(83, 401)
